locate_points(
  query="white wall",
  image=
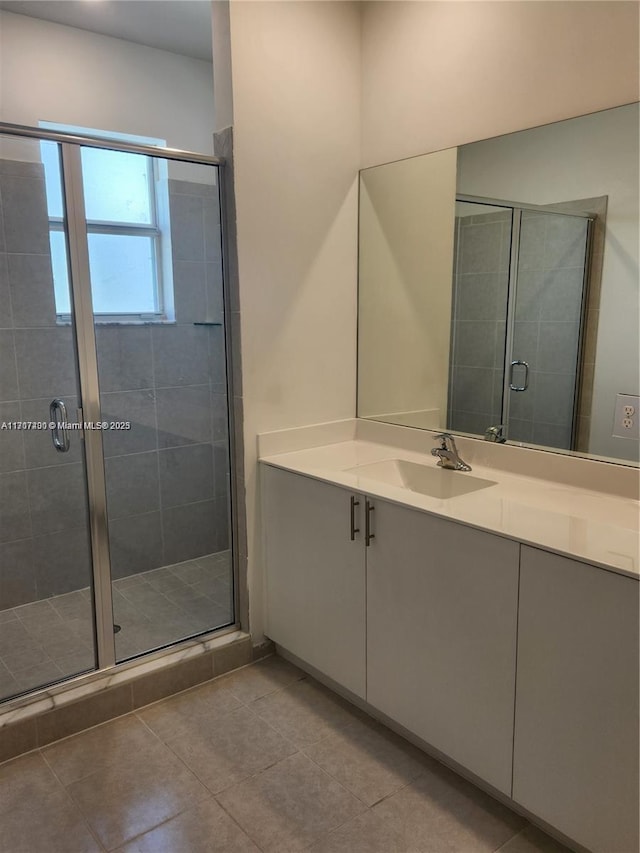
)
(407, 212)
(591, 156)
(439, 74)
(296, 105)
(49, 72)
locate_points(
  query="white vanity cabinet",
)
(315, 578)
(576, 723)
(442, 604)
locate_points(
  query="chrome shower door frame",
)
(89, 410)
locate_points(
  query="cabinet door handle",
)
(368, 535)
(354, 529)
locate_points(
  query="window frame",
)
(162, 278)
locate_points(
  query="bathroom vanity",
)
(492, 615)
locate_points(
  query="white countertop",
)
(593, 526)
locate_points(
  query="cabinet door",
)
(576, 732)
(315, 575)
(441, 636)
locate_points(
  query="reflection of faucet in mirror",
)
(495, 433)
(447, 454)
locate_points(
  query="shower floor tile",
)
(51, 639)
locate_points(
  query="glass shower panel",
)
(163, 391)
(46, 604)
(479, 312)
(547, 328)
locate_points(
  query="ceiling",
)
(180, 26)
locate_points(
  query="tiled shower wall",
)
(481, 276)
(167, 478)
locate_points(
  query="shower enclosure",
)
(519, 297)
(115, 486)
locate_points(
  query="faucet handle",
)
(444, 437)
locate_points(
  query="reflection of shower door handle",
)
(526, 376)
(58, 416)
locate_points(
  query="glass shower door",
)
(153, 229)
(543, 369)
(46, 601)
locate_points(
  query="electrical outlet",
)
(626, 423)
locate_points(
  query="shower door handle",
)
(58, 416)
(526, 376)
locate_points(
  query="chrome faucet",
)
(447, 453)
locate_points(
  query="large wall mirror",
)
(498, 288)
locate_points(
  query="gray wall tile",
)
(565, 242)
(474, 344)
(137, 407)
(480, 248)
(15, 521)
(187, 228)
(46, 365)
(186, 474)
(31, 283)
(6, 317)
(189, 291)
(520, 430)
(217, 358)
(189, 531)
(554, 398)
(558, 347)
(215, 298)
(57, 498)
(528, 296)
(62, 563)
(477, 296)
(135, 544)
(525, 342)
(11, 440)
(561, 297)
(180, 354)
(552, 435)
(221, 469)
(17, 578)
(125, 361)
(184, 415)
(132, 484)
(26, 224)
(220, 418)
(8, 375)
(472, 389)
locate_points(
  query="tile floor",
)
(262, 759)
(52, 639)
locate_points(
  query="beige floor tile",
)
(533, 840)
(369, 760)
(289, 806)
(206, 828)
(366, 833)
(306, 712)
(173, 717)
(37, 814)
(117, 744)
(120, 803)
(442, 813)
(230, 747)
(261, 679)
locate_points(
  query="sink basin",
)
(425, 479)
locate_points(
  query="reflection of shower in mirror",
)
(520, 278)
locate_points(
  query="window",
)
(126, 209)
